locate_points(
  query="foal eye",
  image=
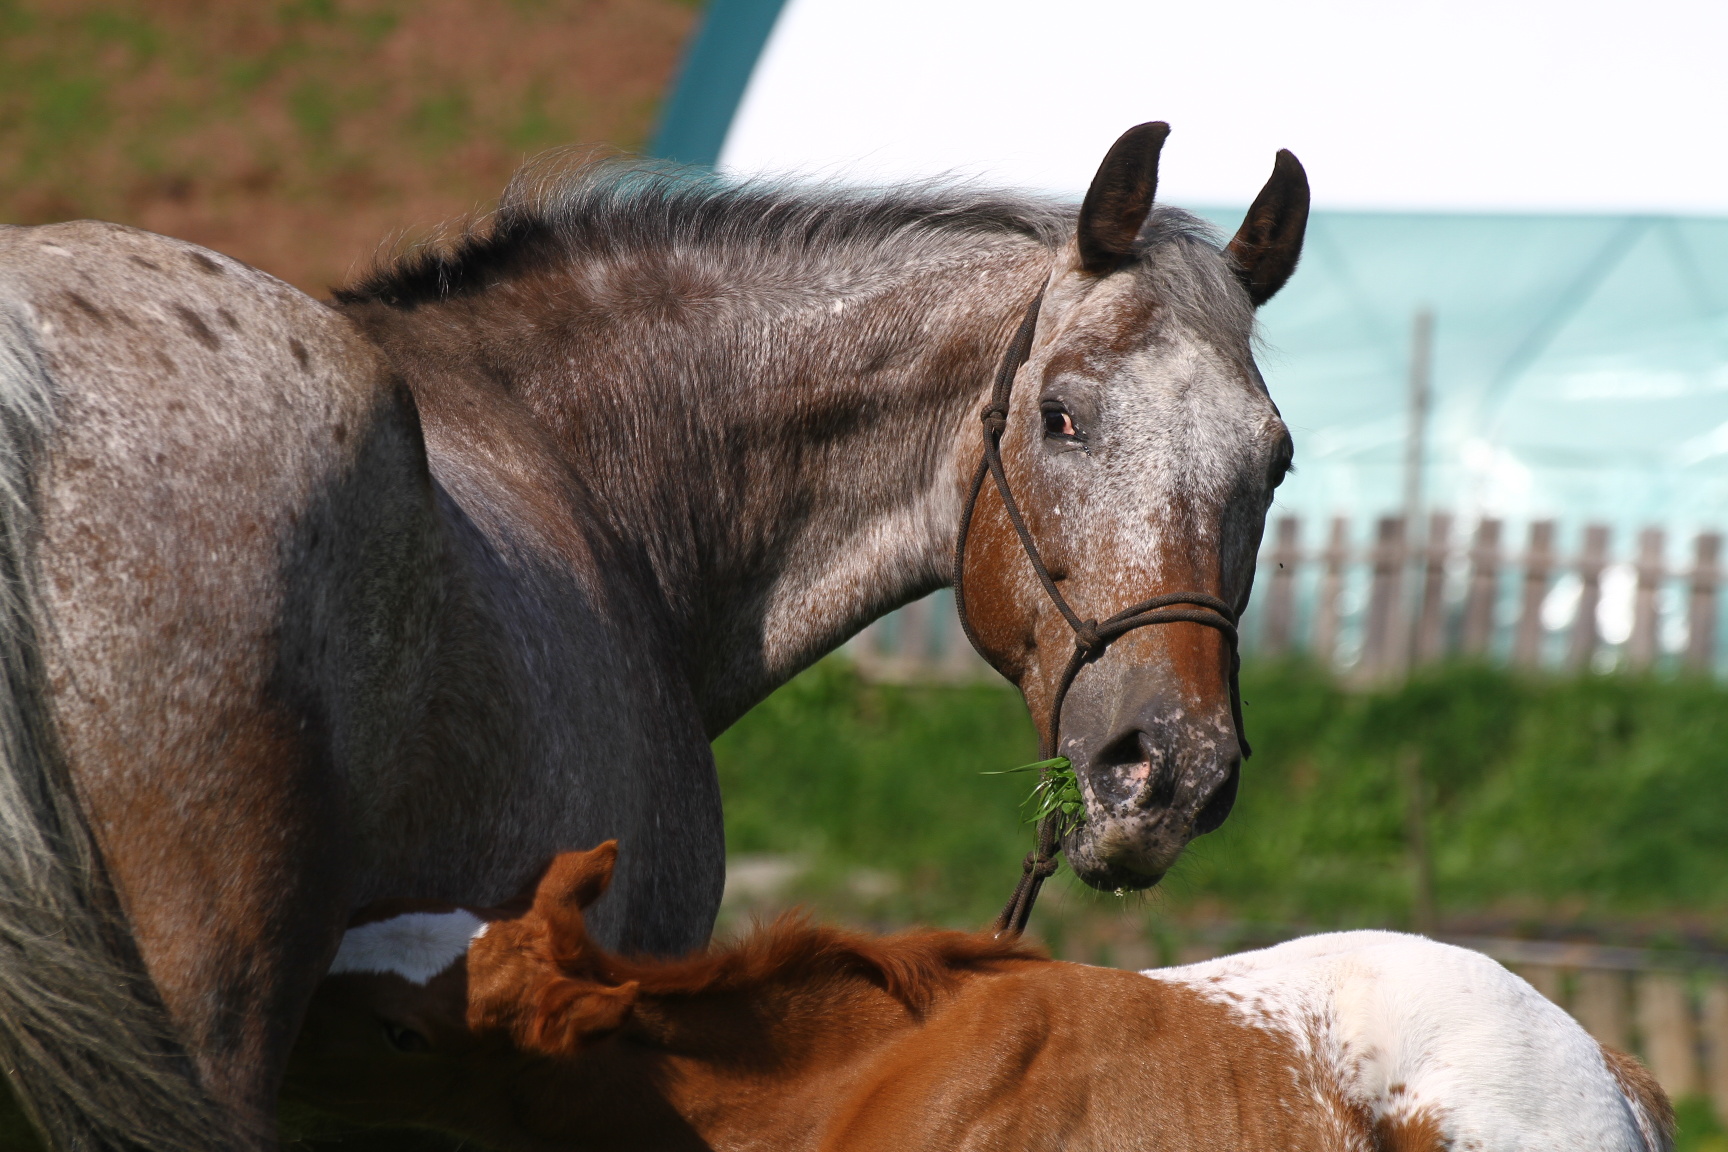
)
(405, 1039)
(1057, 422)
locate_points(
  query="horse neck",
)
(786, 452)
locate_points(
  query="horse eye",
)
(1058, 423)
(405, 1039)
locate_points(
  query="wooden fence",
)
(1671, 1010)
(1375, 603)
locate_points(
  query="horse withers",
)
(512, 1027)
(305, 605)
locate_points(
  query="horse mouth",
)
(1113, 855)
(1141, 814)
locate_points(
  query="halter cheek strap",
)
(1091, 637)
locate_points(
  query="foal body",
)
(531, 1037)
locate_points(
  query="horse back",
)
(235, 557)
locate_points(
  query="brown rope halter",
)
(1091, 637)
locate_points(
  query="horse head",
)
(1142, 449)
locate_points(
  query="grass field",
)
(1596, 806)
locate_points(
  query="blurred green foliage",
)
(1600, 800)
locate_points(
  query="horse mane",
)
(913, 967)
(568, 204)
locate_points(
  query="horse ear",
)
(573, 1011)
(1269, 242)
(575, 880)
(1120, 197)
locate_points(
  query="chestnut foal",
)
(511, 1027)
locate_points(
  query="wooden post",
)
(1479, 598)
(1430, 641)
(1384, 642)
(1599, 1003)
(1281, 595)
(1716, 1045)
(1670, 1041)
(1538, 569)
(1546, 979)
(1701, 611)
(1582, 648)
(1641, 649)
(1336, 558)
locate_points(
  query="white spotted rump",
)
(1407, 1026)
(416, 945)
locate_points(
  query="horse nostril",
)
(1218, 805)
(1135, 770)
(1159, 788)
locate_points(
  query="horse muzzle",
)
(1158, 778)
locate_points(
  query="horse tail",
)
(84, 1040)
(1651, 1109)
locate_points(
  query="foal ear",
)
(573, 1011)
(575, 880)
(1269, 242)
(1120, 197)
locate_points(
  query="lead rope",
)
(1091, 637)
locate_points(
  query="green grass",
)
(1599, 802)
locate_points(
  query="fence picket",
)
(1326, 608)
(1715, 1027)
(1484, 589)
(1591, 561)
(1538, 569)
(1281, 595)
(1600, 1004)
(1383, 644)
(1701, 607)
(1641, 649)
(1665, 1025)
(1430, 640)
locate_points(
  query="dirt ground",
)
(303, 135)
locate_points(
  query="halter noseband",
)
(1091, 637)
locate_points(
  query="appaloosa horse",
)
(305, 605)
(512, 1027)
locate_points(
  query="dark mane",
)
(913, 967)
(554, 209)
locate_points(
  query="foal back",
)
(1350, 1042)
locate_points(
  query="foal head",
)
(439, 1016)
(1143, 450)
(498, 1023)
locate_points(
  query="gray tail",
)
(83, 1039)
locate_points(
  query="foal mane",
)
(913, 967)
(563, 205)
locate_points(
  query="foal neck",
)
(756, 1045)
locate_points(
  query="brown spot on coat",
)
(227, 318)
(143, 263)
(1641, 1088)
(299, 351)
(89, 309)
(205, 264)
(195, 324)
(1416, 1131)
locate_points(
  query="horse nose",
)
(1163, 761)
